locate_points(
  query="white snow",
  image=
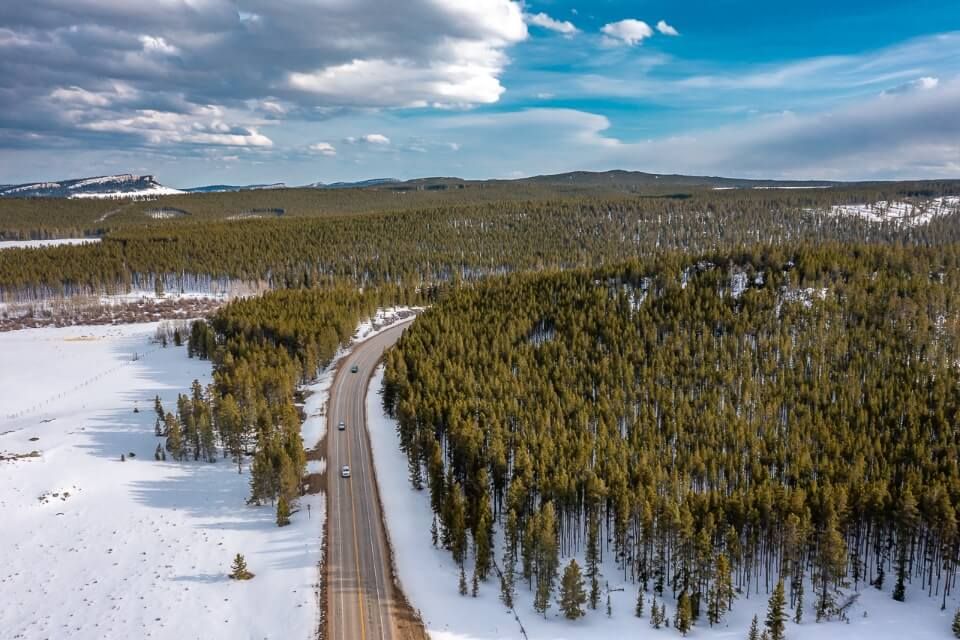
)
(429, 579)
(140, 548)
(31, 244)
(383, 319)
(907, 214)
(141, 193)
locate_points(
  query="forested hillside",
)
(719, 422)
(426, 245)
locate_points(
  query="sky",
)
(302, 91)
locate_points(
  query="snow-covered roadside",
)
(94, 547)
(429, 579)
(33, 244)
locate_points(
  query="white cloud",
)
(323, 148)
(546, 22)
(927, 83)
(630, 32)
(666, 29)
(377, 139)
(152, 44)
(201, 126)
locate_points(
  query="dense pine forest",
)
(466, 241)
(721, 423)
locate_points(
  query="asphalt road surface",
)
(361, 599)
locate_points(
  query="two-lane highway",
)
(361, 599)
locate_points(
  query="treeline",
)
(737, 418)
(262, 348)
(412, 247)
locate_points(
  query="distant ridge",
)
(116, 186)
(224, 188)
(372, 182)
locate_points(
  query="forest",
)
(721, 423)
(261, 349)
(424, 245)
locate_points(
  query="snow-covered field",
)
(98, 548)
(120, 195)
(909, 214)
(429, 579)
(30, 244)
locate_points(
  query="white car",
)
(345, 471)
(341, 426)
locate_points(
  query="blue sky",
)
(240, 91)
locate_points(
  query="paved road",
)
(361, 603)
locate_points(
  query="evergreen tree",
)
(609, 607)
(239, 569)
(283, 512)
(754, 633)
(776, 615)
(174, 437)
(955, 627)
(638, 611)
(593, 558)
(798, 613)
(656, 620)
(683, 618)
(572, 595)
(462, 585)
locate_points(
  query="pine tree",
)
(239, 569)
(572, 594)
(907, 517)
(638, 611)
(593, 558)
(462, 585)
(655, 619)
(158, 408)
(683, 617)
(609, 607)
(955, 627)
(283, 512)
(754, 633)
(547, 559)
(798, 613)
(174, 437)
(776, 616)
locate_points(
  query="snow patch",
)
(33, 244)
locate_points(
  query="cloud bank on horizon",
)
(307, 90)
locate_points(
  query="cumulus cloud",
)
(629, 32)
(323, 148)
(377, 139)
(666, 29)
(546, 22)
(256, 60)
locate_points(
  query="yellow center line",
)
(356, 549)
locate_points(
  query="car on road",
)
(341, 426)
(354, 369)
(345, 471)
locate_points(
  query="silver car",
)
(345, 471)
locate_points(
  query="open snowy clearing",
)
(95, 547)
(429, 578)
(909, 214)
(33, 244)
